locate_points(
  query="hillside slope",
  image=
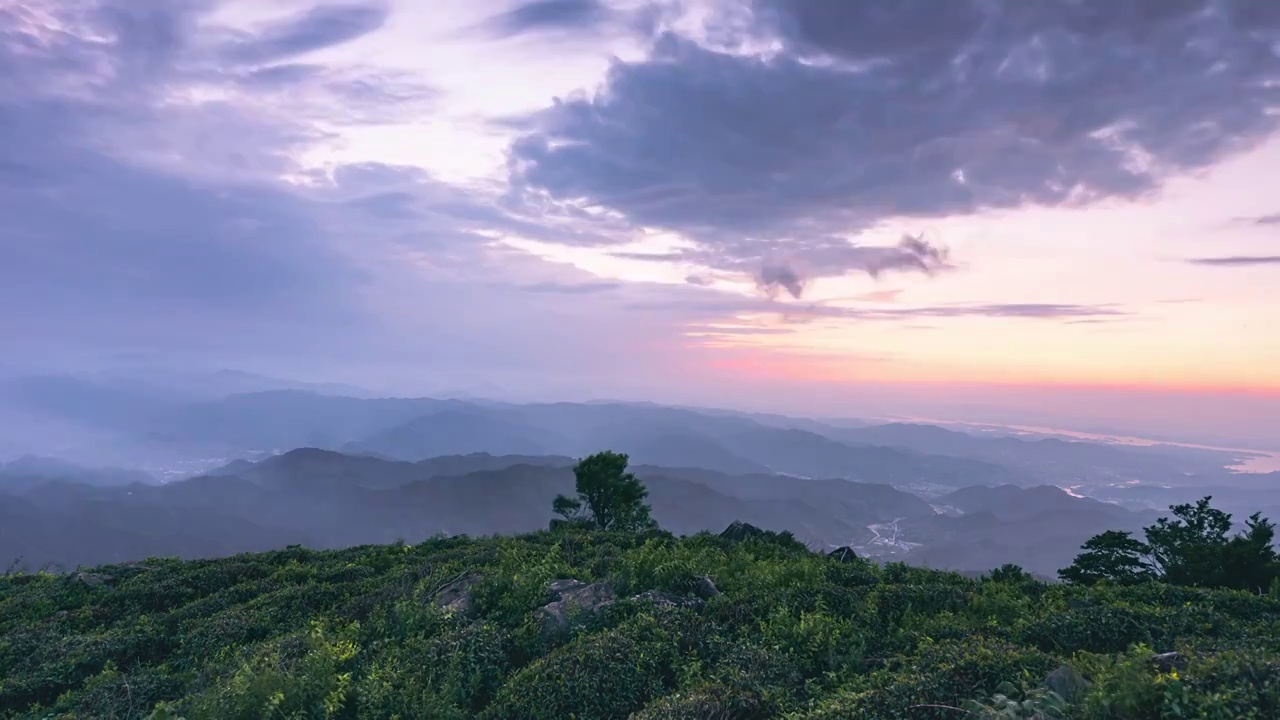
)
(552, 626)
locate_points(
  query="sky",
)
(1058, 212)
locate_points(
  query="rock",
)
(740, 531)
(559, 587)
(843, 554)
(455, 599)
(573, 596)
(662, 599)
(94, 579)
(1067, 684)
(1170, 661)
(705, 588)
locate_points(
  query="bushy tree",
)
(1113, 556)
(1191, 548)
(609, 497)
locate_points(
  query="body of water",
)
(1251, 461)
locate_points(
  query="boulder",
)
(455, 599)
(1067, 684)
(843, 554)
(669, 600)
(573, 596)
(740, 531)
(94, 579)
(558, 588)
(1169, 662)
(705, 588)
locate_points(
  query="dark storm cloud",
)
(915, 110)
(549, 15)
(1237, 260)
(315, 29)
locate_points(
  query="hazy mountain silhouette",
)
(1049, 459)
(323, 498)
(30, 470)
(459, 432)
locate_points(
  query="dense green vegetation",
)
(1192, 548)
(579, 622)
(359, 633)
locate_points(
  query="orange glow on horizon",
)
(837, 369)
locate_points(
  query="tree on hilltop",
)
(608, 497)
(1193, 548)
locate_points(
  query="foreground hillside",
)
(574, 624)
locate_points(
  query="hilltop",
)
(605, 625)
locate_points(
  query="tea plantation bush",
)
(698, 627)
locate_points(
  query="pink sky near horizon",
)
(1145, 338)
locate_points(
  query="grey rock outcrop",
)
(668, 600)
(705, 588)
(739, 531)
(1067, 684)
(456, 599)
(94, 579)
(843, 554)
(1170, 661)
(572, 597)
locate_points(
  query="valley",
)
(345, 470)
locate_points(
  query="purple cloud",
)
(314, 29)
(1237, 260)
(877, 113)
(549, 15)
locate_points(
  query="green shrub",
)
(793, 634)
(607, 675)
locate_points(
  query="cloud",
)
(720, 308)
(912, 254)
(153, 204)
(1237, 260)
(579, 288)
(868, 114)
(133, 218)
(772, 277)
(314, 29)
(1054, 311)
(1273, 219)
(549, 15)
(134, 79)
(885, 296)
(728, 330)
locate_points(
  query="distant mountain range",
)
(671, 438)
(375, 469)
(30, 470)
(142, 424)
(326, 499)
